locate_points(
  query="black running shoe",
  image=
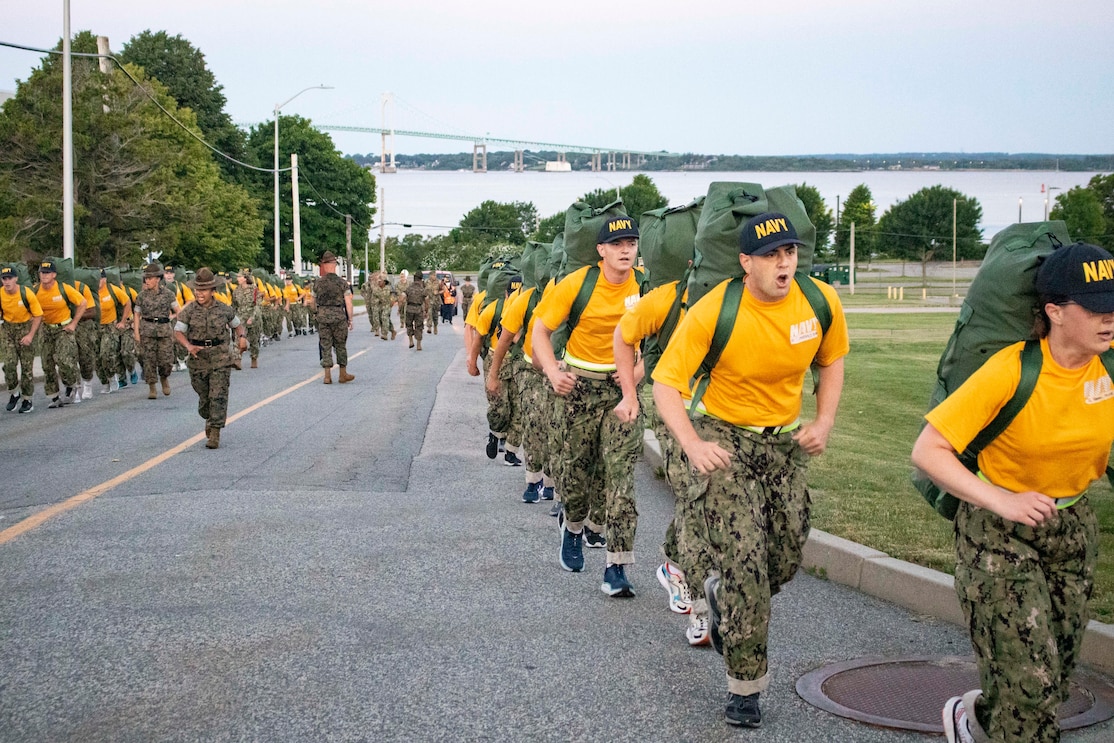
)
(13, 401)
(492, 446)
(743, 710)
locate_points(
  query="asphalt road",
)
(349, 566)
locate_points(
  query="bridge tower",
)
(388, 136)
(518, 163)
(596, 161)
(479, 157)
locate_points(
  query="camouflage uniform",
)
(368, 293)
(415, 310)
(381, 305)
(86, 337)
(535, 398)
(211, 368)
(156, 341)
(59, 358)
(433, 304)
(467, 291)
(597, 478)
(332, 319)
(247, 309)
(1006, 573)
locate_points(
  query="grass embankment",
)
(861, 484)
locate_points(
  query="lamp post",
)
(1048, 200)
(278, 107)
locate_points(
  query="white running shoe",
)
(697, 632)
(957, 728)
(106, 388)
(673, 581)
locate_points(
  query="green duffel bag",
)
(726, 209)
(582, 230)
(666, 241)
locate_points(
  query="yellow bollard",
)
(901, 294)
(924, 294)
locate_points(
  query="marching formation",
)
(568, 331)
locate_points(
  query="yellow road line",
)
(50, 512)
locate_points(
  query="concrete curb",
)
(919, 589)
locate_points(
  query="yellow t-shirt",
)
(590, 344)
(474, 311)
(647, 317)
(761, 372)
(14, 309)
(1060, 441)
(514, 317)
(55, 309)
(108, 306)
(290, 293)
(487, 317)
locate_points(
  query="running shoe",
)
(743, 710)
(615, 582)
(957, 728)
(673, 581)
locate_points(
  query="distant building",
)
(554, 166)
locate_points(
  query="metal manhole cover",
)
(909, 693)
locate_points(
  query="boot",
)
(214, 439)
(255, 363)
(328, 375)
(151, 394)
(238, 361)
(411, 341)
(166, 386)
(208, 429)
(393, 334)
(419, 344)
(345, 376)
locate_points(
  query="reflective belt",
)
(583, 365)
(760, 430)
(1061, 503)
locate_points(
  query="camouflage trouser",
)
(87, 337)
(19, 360)
(211, 386)
(598, 473)
(534, 397)
(298, 317)
(311, 317)
(59, 356)
(465, 305)
(108, 353)
(253, 325)
(385, 324)
(375, 317)
(684, 546)
(414, 321)
(157, 356)
(127, 349)
(504, 410)
(332, 333)
(433, 317)
(754, 519)
(1024, 591)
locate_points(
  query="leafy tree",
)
(1103, 187)
(1081, 209)
(821, 217)
(642, 195)
(549, 228)
(858, 209)
(140, 182)
(919, 227)
(180, 66)
(493, 222)
(329, 185)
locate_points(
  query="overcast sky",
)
(713, 76)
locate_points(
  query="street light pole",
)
(278, 108)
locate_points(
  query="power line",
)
(147, 93)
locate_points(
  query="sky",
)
(796, 77)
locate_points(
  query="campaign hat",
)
(766, 233)
(328, 257)
(1082, 273)
(204, 279)
(616, 229)
(152, 270)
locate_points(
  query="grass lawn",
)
(861, 485)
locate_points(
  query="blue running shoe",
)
(531, 494)
(134, 377)
(615, 582)
(547, 493)
(594, 539)
(572, 550)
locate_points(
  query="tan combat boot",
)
(238, 361)
(419, 344)
(166, 386)
(329, 375)
(345, 376)
(151, 394)
(214, 439)
(411, 341)
(393, 334)
(255, 363)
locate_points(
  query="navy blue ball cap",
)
(766, 233)
(617, 229)
(1081, 272)
(7, 272)
(48, 267)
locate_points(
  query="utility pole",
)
(382, 233)
(348, 242)
(67, 137)
(297, 267)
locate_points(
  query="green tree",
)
(329, 186)
(921, 226)
(821, 217)
(1103, 187)
(640, 196)
(180, 66)
(493, 222)
(858, 209)
(141, 183)
(1081, 209)
(549, 228)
